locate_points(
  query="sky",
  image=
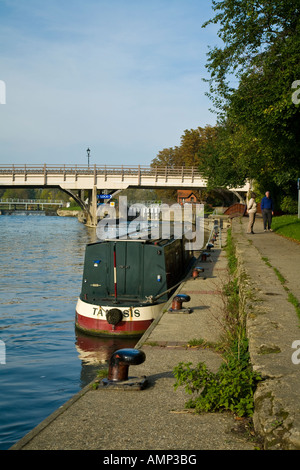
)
(121, 77)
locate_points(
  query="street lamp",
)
(88, 155)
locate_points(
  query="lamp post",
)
(88, 155)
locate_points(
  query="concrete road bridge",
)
(97, 179)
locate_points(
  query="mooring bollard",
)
(121, 360)
(178, 299)
(196, 272)
(204, 256)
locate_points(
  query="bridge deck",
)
(102, 176)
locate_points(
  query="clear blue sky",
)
(122, 77)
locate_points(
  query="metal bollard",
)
(121, 360)
(204, 256)
(178, 299)
(196, 272)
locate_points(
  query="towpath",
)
(269, 273)
(282, 253)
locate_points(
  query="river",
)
(44, 361)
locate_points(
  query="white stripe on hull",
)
(139, 313)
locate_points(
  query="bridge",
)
(12, 203)
(73, 179)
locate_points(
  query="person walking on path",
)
(267, 209)
(251, 208)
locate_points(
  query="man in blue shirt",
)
(267, 210)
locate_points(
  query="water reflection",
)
(95, 352)
(41, 260)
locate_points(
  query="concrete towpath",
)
(154, 418)
(269, 280)
(282, 253)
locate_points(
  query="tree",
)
(167, 157)
(19, 193)
(192, 149)
(221, 162)
(192, 144)
(249, 29)
(258, 121)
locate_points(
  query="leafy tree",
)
(251, 30)
(258, 121)
(220, 162)
(167, 157)
(190, 153)
(19, 193)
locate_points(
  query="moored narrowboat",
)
(127, 282)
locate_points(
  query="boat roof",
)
(155, 233)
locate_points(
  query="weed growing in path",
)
(232, 386)
(291, 298)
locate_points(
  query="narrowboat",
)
(126, 283)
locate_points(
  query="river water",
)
(44, 361)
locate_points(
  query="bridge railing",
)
(100, 169)
(11, 200)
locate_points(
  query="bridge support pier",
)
(92, 208)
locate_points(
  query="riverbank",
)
(155, 418)
(68, 212)
(28, 212)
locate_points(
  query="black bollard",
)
(178, 299)
(196, 272)
(204, 256)
(121, 360)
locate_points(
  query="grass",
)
(101, 374)
(201, 343)
(230, 252)
(278, 274)
(291, 298)
(288, 226)
(73, 208)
